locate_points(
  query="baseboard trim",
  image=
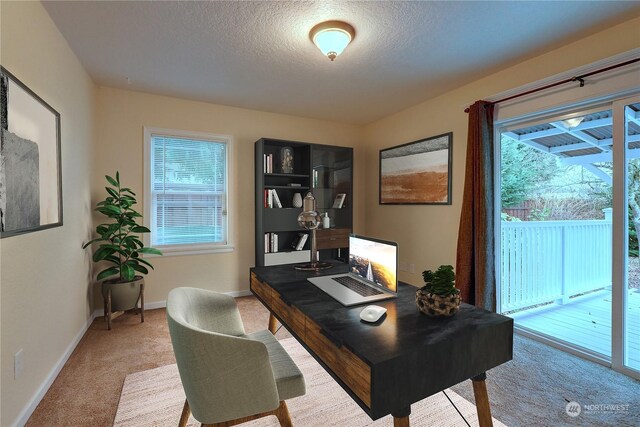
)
(162, 304)
(44, 387)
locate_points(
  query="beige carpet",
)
(155, 398)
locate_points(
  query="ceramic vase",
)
(297, 200)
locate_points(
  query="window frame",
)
(189, 248)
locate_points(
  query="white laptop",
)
(373, 273)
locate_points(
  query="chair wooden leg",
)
(142, 302)
(281, 412)
(273, 324)
(109, 309)
(104, 318)
(184, 417)
(482, 400)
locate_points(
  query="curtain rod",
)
(579, 78)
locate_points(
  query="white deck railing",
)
(545, 261)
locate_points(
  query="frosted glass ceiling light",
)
(332, 37)
(571, 123)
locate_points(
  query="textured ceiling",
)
(258, 54)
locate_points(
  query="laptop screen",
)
(374, 260)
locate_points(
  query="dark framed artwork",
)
(30, 160)
(417, 173)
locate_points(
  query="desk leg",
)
(482, 400)
(273, 324)
(401, 417)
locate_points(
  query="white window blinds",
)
(188, 191)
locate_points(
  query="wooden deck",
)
(586, 322)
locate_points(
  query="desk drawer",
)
(289, 314)
(332, 238)
(260, 289)
(347, 366)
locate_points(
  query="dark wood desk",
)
(400, 360)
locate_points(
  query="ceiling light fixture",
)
(332, 37)
(571, 123)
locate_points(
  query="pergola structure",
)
(582, 142)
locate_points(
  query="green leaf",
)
(127, 190)
(150, 251)
(113, 259)
(108, 272)
(144, 261)
(140, 229)
(109, 210)
(139, 268)
(111, 181)
(99, 239)
(127, 272)
(101, 253)
(111, 191)
(118, 178)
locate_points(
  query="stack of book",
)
(270, 243)
(298, 244)
(268, 163)
(271, 199)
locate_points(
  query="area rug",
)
(155, 398)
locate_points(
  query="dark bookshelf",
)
(325, 170)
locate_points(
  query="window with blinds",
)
(188, 190)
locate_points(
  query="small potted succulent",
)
(121, 249)
(438, 297)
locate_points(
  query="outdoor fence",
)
(545, 261)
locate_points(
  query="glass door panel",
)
(631, 289)
(556, 229)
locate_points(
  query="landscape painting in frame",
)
(30, 176)
(417, 173)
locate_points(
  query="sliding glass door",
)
(568, 258)
(626, 319)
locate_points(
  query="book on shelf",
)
(267, 166)
(298, 244)
(270, 243)
(271, 199)
(276, 198)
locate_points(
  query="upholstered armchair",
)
(228, 376)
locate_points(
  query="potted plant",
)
(438, 296)
(121, 249)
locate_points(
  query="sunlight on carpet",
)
(155, 398)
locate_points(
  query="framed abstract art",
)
(417, 173)
(30, 169)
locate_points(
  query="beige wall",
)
(121, 118)
(45, 301)
(427, 235)
(45, 293)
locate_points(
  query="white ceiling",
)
(258, 54)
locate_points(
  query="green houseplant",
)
(438, 296)
(121, 249)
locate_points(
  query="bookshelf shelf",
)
(325, 170)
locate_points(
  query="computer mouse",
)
(372, 313)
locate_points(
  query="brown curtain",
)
(475, 268)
